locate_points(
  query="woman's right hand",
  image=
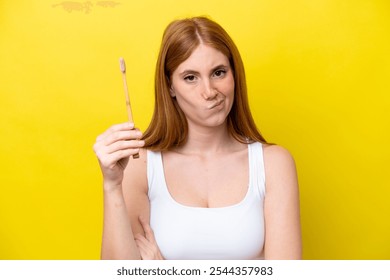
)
(113, 149)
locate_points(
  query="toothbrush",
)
(128, 105)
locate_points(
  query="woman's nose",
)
(209, 92)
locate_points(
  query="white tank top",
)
(185, 232)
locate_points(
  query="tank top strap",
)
(256, 167)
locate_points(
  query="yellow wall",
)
(318, 76)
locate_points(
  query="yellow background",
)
(318, 76)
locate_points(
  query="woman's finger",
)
(145, 247)
(124, 145)
(120, 136)
(144, 243)
(111, 160)
(148, 241)
(114, 128)
(147, 229)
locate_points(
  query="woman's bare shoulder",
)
(279, 164)
(276, 155)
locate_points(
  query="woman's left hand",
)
(147, 244)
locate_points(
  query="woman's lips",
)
(215, 104)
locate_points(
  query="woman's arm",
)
(281, 207)
(114, 149)
(118, 239)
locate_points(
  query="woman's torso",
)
(230, 228)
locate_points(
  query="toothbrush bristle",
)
(122, 65)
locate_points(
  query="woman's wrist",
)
(109, 187)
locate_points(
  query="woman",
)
(206, 185)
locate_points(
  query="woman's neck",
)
(208, 141)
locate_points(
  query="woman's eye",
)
(189, 78)
(219, 73)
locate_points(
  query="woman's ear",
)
(172, 92)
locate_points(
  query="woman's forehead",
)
(203, 58)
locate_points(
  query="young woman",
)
(207, 185)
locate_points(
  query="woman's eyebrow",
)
(189, 71)
(186, 72)
(218, 67)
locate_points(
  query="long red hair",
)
(168, 127)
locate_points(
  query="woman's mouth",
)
(215, 104)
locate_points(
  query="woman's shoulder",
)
(276, 153)
(278, 162)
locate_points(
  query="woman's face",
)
(204, 87)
